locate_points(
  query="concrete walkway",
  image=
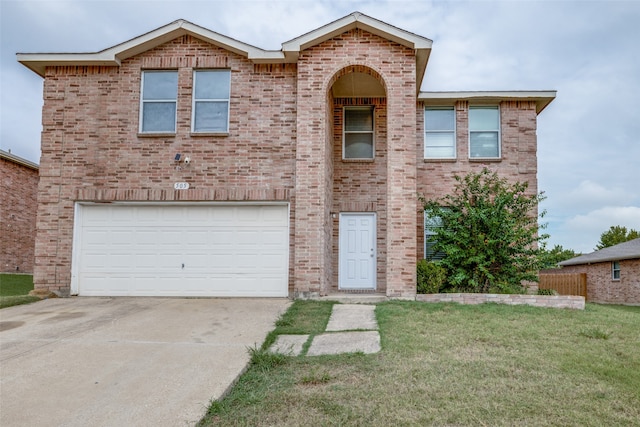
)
(352, 328)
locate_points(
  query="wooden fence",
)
(565, 284)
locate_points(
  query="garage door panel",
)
(233, 250)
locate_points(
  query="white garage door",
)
(181, 250)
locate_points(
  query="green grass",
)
(448, 364)
(14, 289)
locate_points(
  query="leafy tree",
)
(549, 258)
(488, 233)
(616, 235)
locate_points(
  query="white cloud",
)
(584, 231)
(590, 195)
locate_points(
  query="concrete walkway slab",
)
(346, 317)
(125, 361)
(290, 345)
(367, 342)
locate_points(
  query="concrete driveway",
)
(125, 361)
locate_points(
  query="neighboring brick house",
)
(18, 207)
(613, 273)
(183, 162)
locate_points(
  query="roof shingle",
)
(626, 250)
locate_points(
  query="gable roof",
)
(113, 56)
(421, 45)
(622, 251)
(6, 155)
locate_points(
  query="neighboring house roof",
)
(622, 251)
(542, 98)
(19, 160)
(289, 53)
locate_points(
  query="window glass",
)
(484, 144)
(211, 116)
(159, 117)
(484, 132)
(211, 100)
(440, 136)
(358, 146)
(358, 120)
(358, 133)
(439, 119)
(483, 118)
(213, 84)
(160, 85)
(431, 224)
(615, 270)
(159, 99)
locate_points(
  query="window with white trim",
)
(615, 270)
(431, 225)
(484, 132)
(439, 133)
(159, 101)
(358, 141)
(211, 93)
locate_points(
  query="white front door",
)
(357, 251)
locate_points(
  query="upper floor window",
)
(615, 270)
(440, 133)
(358, 133)
(159, 101)
(210, 112)
(484, 132)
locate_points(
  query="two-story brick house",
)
(184, 162)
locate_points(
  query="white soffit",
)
(542, 98)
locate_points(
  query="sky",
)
(588, 51)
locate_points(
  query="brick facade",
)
(601, 287)
(518, 160)
(284, 144)
(18, 207)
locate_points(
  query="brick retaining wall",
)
(560, 301)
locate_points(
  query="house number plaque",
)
(181, 186)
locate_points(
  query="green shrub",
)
(547, 292)
(431, 277)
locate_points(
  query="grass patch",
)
(449, 364)
(595, 333)
(14, 289)
(15, 284)
(302, 318)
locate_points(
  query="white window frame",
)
(615, 268)
(151, 101)
(497, 131)
(210, 100)
(441, 131)
(371, 109)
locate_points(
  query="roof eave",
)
(542, 98)
(598, 260)
(18, 160)
(113, 56)
(356, 20)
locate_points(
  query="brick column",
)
(401, 186)
(311, 184)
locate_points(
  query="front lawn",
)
(15, 288)
(449, 364)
